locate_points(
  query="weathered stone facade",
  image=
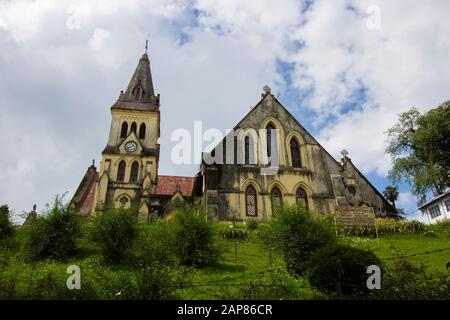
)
(316, 178)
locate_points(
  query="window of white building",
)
(434, 212)
(447, 205)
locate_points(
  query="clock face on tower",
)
(130, 146)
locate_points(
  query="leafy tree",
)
(419, 145)
(391, 194)
(54, 234)
(6, 227)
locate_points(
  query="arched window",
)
(121, 171)
(276, 199)
(269, 129)
(133, 127)
(124, 130)
(142, 131)
(250, 202)
(247, 150)
(295, 153)
(134, 172)
(301, 198)
(138, 93)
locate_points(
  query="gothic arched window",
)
(301, 198)
(121, 171)
(251, 202)
(276, 199)
(134, 172)
(295, 153)
(247, 150)
(138, 93)
(269, 129)
(133, 127)
(142, 131)
(124, 130)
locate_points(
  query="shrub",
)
(233, 232)
(154, 264)
(339, 263)
(113, 231)
(194, 241)
(387, 226)
(298, 235)
(6, 227)
(402, 281)
(252, 224)
(54, 234)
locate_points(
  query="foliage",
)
(6, 227)
(340, 263)
(53, 234)
(252, 224)
(194, 240)
(114, 231)
(386, 226)
(420, 148)
(298, 235)
(404, 281)
(391, 194)
(154, 264)
(234, 232)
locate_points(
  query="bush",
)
(403, 281)
(233, 232)
(113, 231)
(54, 234)
(386, 226)
(298, 235)
(194, 241)
(252, 224)
(339, 263)
(6, 227)
(153, 263)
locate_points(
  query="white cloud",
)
(57, 90)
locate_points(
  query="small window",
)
(301, 198)
(124, 130)
(123, 201)
(121, 171)
(447, 205)
(138, 92)
(134, 172)
(276, 199)
(351, 190)
(133, 127)
(295, 153)
(434, 212)
(269, 129)
(142, 131)
(251, 202)
(248, 150)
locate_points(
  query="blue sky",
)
(64, 63)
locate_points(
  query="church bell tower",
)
(129, 166)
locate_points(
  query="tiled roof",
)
(167, 185)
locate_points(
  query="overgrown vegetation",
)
(151, 265)
(386, 226)
(114, 231)
(297, 234)
(193, 239)
(54, 234)
(6, 227)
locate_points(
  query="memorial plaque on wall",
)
(355, 216)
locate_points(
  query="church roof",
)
(139, 94)
(83, 199)
(168, 185)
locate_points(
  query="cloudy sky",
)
(345, 69)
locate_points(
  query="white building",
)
(438, 208)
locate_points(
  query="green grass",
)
(245, 268)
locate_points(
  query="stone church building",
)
(245, 187)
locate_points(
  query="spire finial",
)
(146, 45)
